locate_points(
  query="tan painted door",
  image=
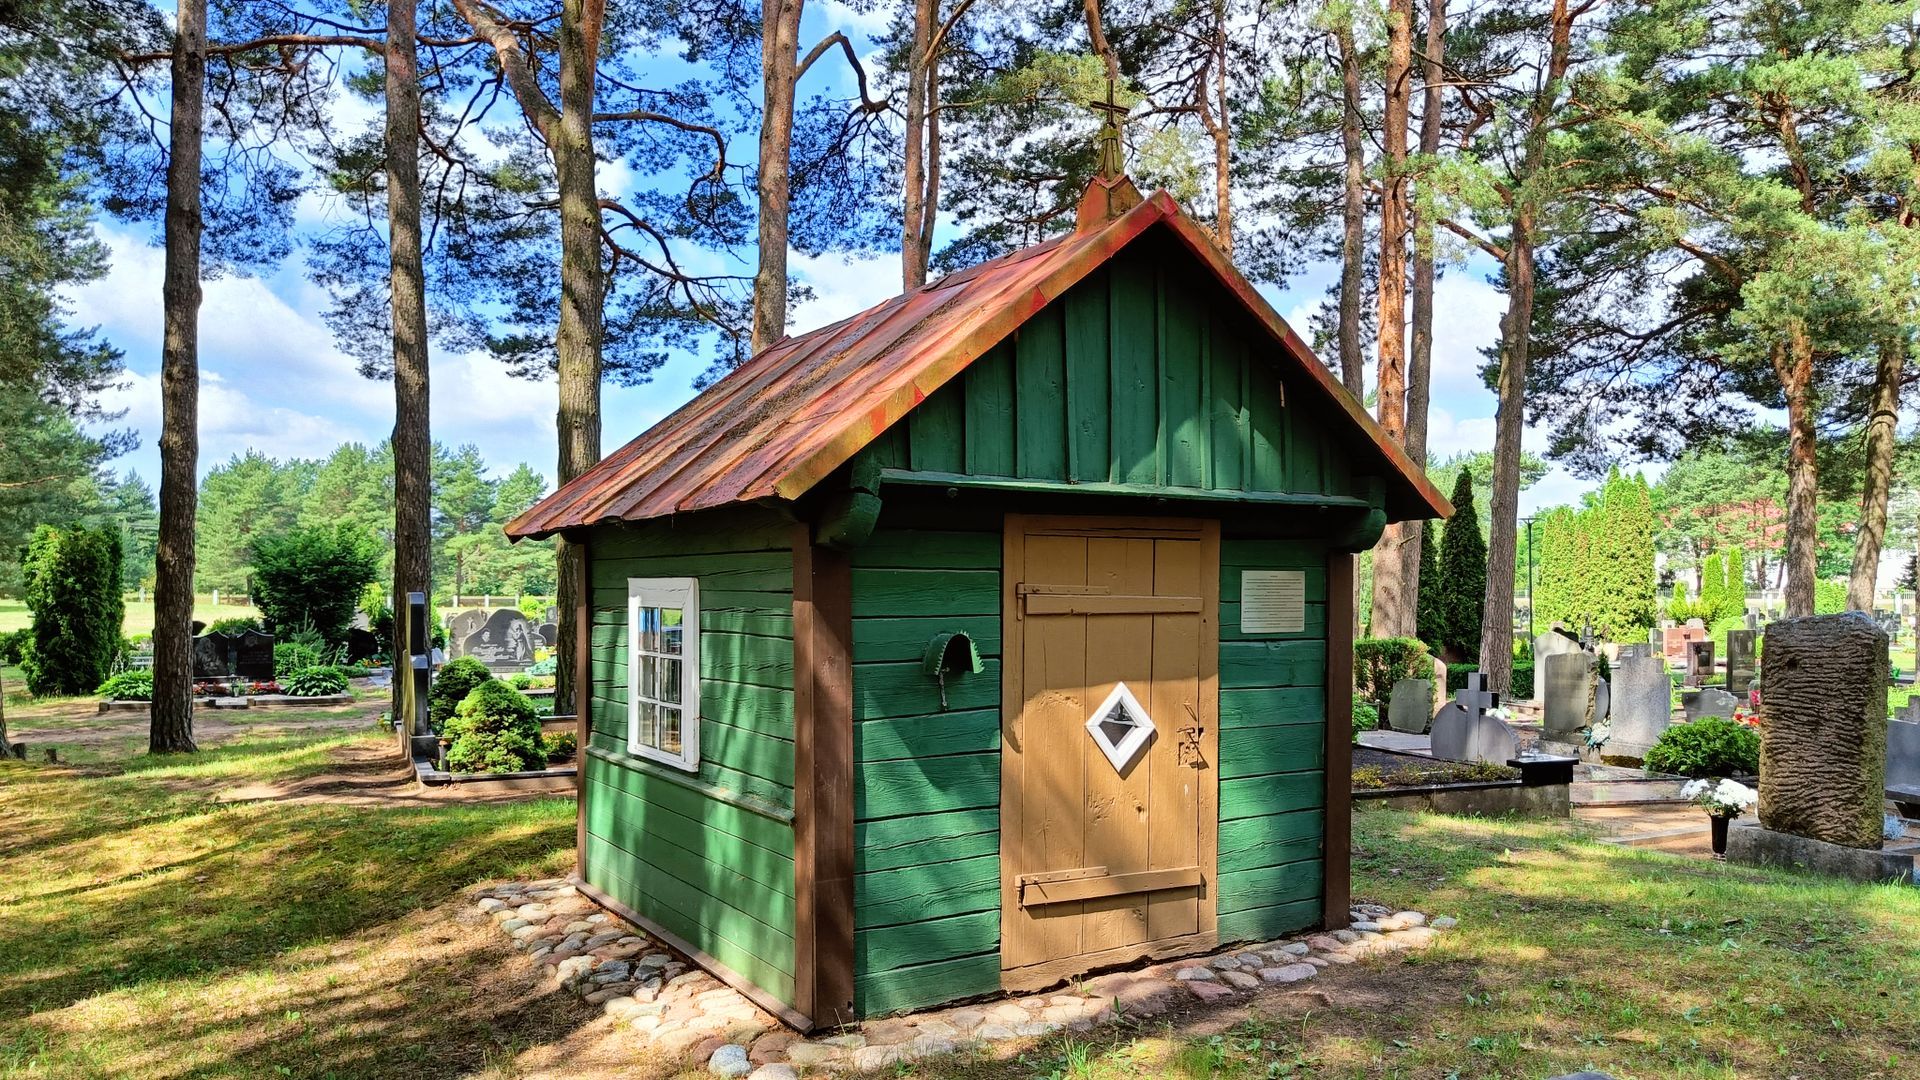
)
(1108, 822)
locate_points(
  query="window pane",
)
(647, 676)
(649, 629)
(666, 684)
(670, 735)
(649, 724)
(670, 619)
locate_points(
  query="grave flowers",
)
(1723, 800)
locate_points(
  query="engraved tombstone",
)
(503, 643)
(211, 657)
(1707, 701)
(1699, 662)
(1740, 670)
(1410, 706)
(1903, 759)
(461, 626)
(1462, 731)
(1571, 696)
(548, 634)
(253, 656)
(1641, 706)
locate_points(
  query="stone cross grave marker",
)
(1642, 708)
(1573, 698)
(1410, 706)
(503, 643)
(1699, 662)
(1740, 669)
(1464, 732)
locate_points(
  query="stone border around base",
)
(673, 1008)
(1755, 845)
(251, 701)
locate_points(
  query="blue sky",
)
(272, 379)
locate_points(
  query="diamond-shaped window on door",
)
(1120, 727)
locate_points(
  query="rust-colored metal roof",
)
(784, 420)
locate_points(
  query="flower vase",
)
(1720, 823)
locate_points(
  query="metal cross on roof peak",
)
(1111, 166)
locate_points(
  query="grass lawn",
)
(14, 614)
(155, 929)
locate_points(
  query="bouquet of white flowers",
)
(1721, 798)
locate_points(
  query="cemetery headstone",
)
(1410, 706)
(1462, 731)
(253, 656)
(211, 659)
(1753, 621)
(1571, 695)
(1696, 624)
(1740, 671)
(1642, 706)
(1699, 662)
(1708, 701)
(362, 644)
(462, 625)
(549, 634)
(503, 643)
(1903, 760)
(1675, 639)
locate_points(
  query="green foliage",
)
(451, 685)
(1712, 746)
(520, 680)
(313, 577)
(540, 668)
(1829, 597)
(1463, 574)
(291, 656)
(1520, 689)
(314, 682)
(134, 685)
(559, 744)
(236, 625)
(73, 589)
(353, 671)
(1713, 587)
(1427, 601)
(1736, 587)
(1596, 564)
(495, 729)
(13, 645)
(1378, 663)
(1365, 718)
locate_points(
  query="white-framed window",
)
(663, 670)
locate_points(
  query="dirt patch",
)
(369, 774)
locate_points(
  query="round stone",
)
(729, 1060)
(1445, 922)
(775, 1070)
(1288, 974)
(1195, 974)
(808, 1054)
(1208, 991)
(1240, 979)
(1362, 926)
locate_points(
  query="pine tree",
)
(1463, 574)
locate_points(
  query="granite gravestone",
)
(1410, 706)
(211, 657)
(253, 656)
(1642, 706)
(1740, 670)
(1753, 621)
(1708, 701)
(1699, 662)
(1675, 639)
(548, 634)
(1572, 697)
(503, 643)
(462, 625)
(1462, 731)
(1903, 760)
(1823, 752)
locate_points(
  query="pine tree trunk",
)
(1393, 598)
(172, 727)
(1496, 619)
(412, 434)
(1868, 541)
(577, 342)
(779, 57)
(1794, 364)
(1220, 130)
(1420, 359)
(1353, 210)
(913, 216)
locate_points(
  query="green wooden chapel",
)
(996, 634)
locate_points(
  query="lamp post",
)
(1528, 522)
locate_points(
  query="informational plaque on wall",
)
(1273, 601)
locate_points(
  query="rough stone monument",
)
(1410, 706)
(1572, 697)
(1740, 669)
(1823, 751)
(503, 643)
(1699, 662)
(1642, 708)
(1462, 731)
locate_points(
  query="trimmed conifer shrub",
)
(313, 577)
(1463, 574)
(451, 685)
(494, 730)
(72, 586)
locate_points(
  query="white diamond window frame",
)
(1121, 754)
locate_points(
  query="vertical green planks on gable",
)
(1272, 743)
(1084, 315)
(1185, 374)
(1228, 426)
(1040, 370)
(1133, 354)
(926, 779)
(989, 388)
(708, 856)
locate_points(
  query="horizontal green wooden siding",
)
(709, 856)
(1273, 717)
(1138, 376)
(927, 777)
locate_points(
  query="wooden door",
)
(1108, 825)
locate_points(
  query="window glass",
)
(663, 686)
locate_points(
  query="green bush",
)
(291, 656)
(72, 586)
(559, 744)
(128, 686)
(1521, 690)
(234, 626)
(314, 682)
(494, 730)
(13, 645)
(1712, 746)
(1378, 663)
(1365, 718)
(353, 671)
(1829, 597)
(520, 681)
(544, 667)
(451, 685)
(313, 577)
